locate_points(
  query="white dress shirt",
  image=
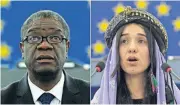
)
(57, 91)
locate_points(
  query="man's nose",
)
(132, 48)
(44, 45)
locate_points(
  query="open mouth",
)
(45, 59)
(132, 59)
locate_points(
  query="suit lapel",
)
(71, 93)
(24, 95)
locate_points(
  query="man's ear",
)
(21, 45)
(67, 45)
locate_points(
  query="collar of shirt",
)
(57, 90)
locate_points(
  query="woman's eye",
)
(124, 41)
(141, 41)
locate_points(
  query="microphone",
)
(169, 94)
(167, 68)
(99, 67)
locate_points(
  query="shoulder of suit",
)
(82, 83)
(9, 89)
(8, 93)
(84, 88)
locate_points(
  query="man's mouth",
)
(45, 59)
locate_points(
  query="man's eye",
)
(55, 38)
(34, 38)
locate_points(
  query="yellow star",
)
(4, 3)
(1, 25)
(5, 51)
(163, 9)
(176, 24)
(99, 48)
(141, 4)
(118, 8)
(103, 25)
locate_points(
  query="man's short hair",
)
(45, 14)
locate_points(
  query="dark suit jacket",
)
(75, 91)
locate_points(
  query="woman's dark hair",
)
(123, 95)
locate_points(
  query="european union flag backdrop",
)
(166, 11)
(14, 13)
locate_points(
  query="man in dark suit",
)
(44, 47)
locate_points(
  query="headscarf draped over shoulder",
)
(106, 94)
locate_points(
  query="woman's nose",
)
(132, 48)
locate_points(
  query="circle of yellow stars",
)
(98, 48)
(118, 8)
(5, 51)
(163, 9)
(5, 3)
(142, 4)
(102, 25)
(176, 24)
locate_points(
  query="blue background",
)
(104, 10)
(76, 14)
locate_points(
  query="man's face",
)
(45, 57)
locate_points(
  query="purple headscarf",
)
(106, 94)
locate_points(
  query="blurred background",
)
(102, 12)
(77, 15)
(13, 15)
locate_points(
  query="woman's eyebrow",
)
(141, 34)
(124, 34)
(137, 34)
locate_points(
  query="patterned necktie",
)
(46, 98)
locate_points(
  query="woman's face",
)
(133, 50)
